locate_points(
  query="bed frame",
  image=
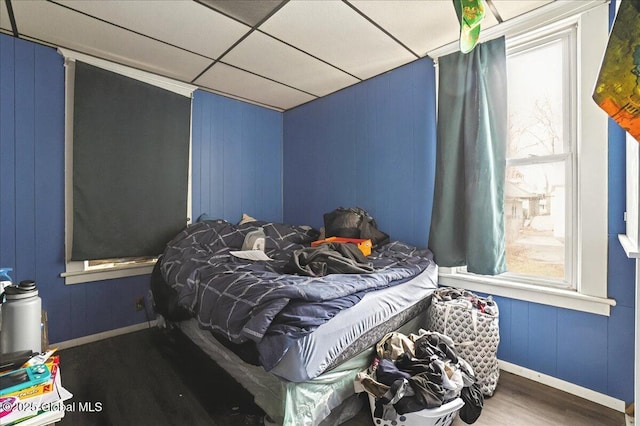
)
(327, 400)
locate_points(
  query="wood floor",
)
(518, 401)
(161, 378)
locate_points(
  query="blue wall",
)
(593, 351)
(32, 197)
(237, 159)
(235, 145)
(371, 145)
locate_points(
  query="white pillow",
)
(246, 218)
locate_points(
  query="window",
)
(539, 196)
(145, 170)
(555, 207)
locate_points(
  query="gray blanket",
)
(332, 258)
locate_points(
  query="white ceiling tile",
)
(421, 25)
(334, 32)
(5, 23)
(179, 39)
(185, 24)
(509, 9)
(63, 27)
(227, 79)
(287, 65)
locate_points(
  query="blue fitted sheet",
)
(311, 355)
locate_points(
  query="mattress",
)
(357, 328)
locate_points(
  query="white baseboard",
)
(588, 394)
(101, 336)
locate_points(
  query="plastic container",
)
(441, 416)
(5, 279)
(21, 319)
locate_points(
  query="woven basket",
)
(475, 334)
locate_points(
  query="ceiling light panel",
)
(268, 57)
(227, 79)
(185, 24)
(65, 28)
(334, 32)
(509, 9)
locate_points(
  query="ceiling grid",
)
(274, 53)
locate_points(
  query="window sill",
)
(78, 277)
(630, 247)
(528, 292)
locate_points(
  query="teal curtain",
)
(467, 226)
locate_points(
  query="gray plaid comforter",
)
(254, 300)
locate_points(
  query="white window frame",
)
(77, 272)
(567, 35)
(589, 231)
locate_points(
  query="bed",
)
(294, 341)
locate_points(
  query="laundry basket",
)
(441, 416)
(476, 332)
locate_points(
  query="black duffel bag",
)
(353, 222)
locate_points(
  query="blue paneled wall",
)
(237, 159)
(371, 145)
(593, 351)
(32, 197)
(589, 350)
(237, 163)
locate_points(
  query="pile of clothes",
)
(467, 299)
(417, 372)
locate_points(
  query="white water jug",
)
(21, 318)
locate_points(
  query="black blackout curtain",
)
(130, 165)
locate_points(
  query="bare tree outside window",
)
(537, 158)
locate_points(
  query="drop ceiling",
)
(273, 53)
